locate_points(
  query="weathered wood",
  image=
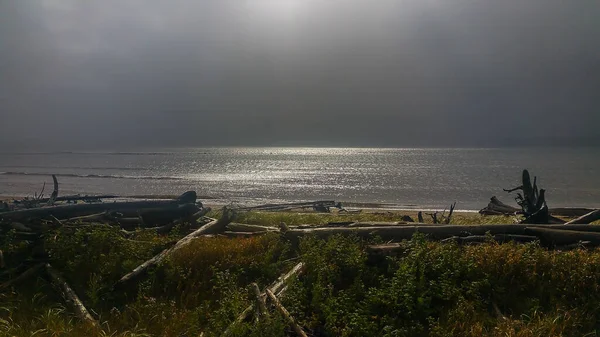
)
(243, 234)
(559, 237)
(210, 228)
(241, 227)
(385, 249)
(395, 248)
(570, 211)
(280, 282)
(449, 218)
(404, 232)
(54, 194)
(532, 202)
(573, 246)
(272, 207)
(276, 287)
(19, 227)
(70, 211)
(498, 238)
(586, 219)
(299, 331)
(104, 216)
(84, 198)
(70, 296)
(25, 275)
(497, 207)
(498, 312)
(283, 227)
(259, 301)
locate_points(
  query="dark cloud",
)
(299, 72)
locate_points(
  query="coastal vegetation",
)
(426, 288)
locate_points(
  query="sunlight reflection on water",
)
(425, 177)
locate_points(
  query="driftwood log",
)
(84, 198)
(71, 211)
(317, 205)
(586, 219)
(438, 232)
(501, 238)
(559, 237)
(532, 202)
(210, 228)
(241, 227)
(497, 207)
(70, 296)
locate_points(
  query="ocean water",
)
(395, 178)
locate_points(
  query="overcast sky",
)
(134, 73)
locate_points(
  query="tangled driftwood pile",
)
(533, 206)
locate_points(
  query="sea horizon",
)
(427, 178)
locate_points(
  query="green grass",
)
(293, 219)
(431, 289)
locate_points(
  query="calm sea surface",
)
(403, 178)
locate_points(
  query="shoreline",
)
(219, 202)
(349, 205)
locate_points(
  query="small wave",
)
(103, 176)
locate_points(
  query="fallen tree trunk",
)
(395, 248)
(385, 249)
(573, 246)
(99, 217)
(501, 238)
(272, 207)
(586, 219)
(404, 232)
(241, 227)
(559, 237)
(70, 296)
(70, 211)
(243, 234)
(210, 228)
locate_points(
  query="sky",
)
(113, 74)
